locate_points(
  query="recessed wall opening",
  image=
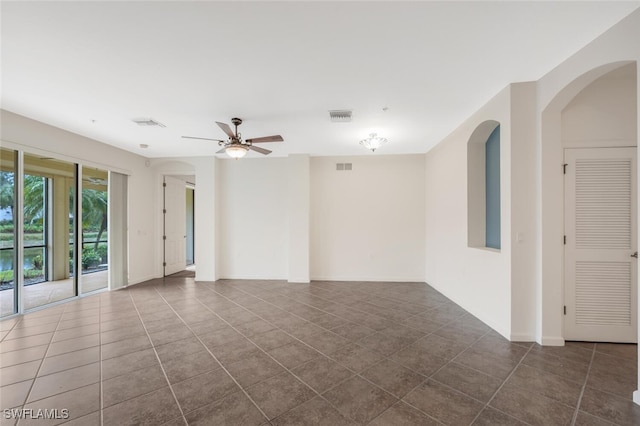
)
(556, 137)
(190, 225)
(599, 137)
(483, 187)
(178, 193)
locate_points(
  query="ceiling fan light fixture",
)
(373, 142)
(236, 151)
(234, 146)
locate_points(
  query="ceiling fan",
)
(235, 147)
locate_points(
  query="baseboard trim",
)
(299, 280)
(139, 280)
(551, 341)
(371, 279)
(636, 397)
(522, 337)
(250, 277)
(200, 279)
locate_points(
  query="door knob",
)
(635, 255)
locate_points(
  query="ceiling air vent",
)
(147, 122)
(340, 116)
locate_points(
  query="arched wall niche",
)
(476, 183)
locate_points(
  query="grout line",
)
(402, 401)
(388, 357)
(13, 328)
(318, 394)
(158, 358)
(207, 288)
(327, 355)
(584, 386)
(430, 377)
(343, 305)
(26, 399)
(503, 383)
(214, 357)
(17, 317)
(559, 360)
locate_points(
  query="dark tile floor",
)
(174, 351)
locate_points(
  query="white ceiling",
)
(92, 67)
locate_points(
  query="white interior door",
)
(175, 232)
(600, 226)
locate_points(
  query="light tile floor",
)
(175, 352)
(40, 294)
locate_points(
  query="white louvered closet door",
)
(600, 226)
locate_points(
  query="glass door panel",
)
(48, 230)
(35, 228)
(95, 232)
(8, 294)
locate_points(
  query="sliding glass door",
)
(54, 231)
(8, 242)
(49, 212)
(95, 232)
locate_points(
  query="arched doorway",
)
(568, 117)
(176, 223)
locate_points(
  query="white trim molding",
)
(552, 341)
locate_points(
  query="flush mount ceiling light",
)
(373, 142)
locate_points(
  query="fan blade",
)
(222, 150)
(225, 128)
(260, 150)
(274, 138)
(204, 139)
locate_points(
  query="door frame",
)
(635, 223)
(173, 169)
(191, 232)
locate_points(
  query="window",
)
(8, 294)
(95, 232)
(48, 230)
(483, 186)
(492, 189)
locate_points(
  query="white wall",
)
(204, 170)
(206, 219)
(253, 218)
(604, 113)
(259, 225)
(22, 133)
(524, 218)
(477, 279)
(617, 47)
(368, 223)
(299, 217)
(169, 167)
